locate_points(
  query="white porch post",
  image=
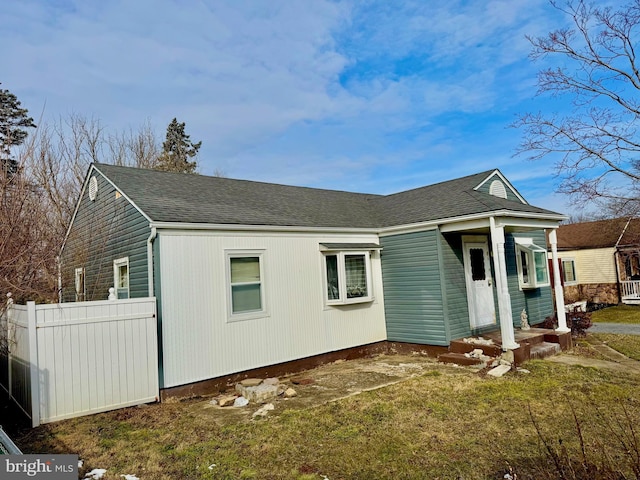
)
(557, 285)
(504, 299)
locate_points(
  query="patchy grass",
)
(628, 345)
(455, 423)
(617, 314)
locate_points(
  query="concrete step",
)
(543, 350)
(460, 359)
(460, 346)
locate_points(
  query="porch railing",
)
(630, 290)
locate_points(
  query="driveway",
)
(619, 328)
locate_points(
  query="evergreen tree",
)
(13, 124)
(177, 149)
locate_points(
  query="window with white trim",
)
(81, 292)
(245, 280)
(569, 271)
(347, 277)
(121, 277)
(531, 260)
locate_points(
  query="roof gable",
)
(198, 199)
(496, 177)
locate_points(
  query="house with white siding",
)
(600, 261)
(252, 275)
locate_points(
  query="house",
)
(600, 261)
(249, 275)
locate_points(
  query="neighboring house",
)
(251, 274)
(600, 261)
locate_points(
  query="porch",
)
(535, 343)
(630, 292)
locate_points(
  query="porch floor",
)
(535, 343)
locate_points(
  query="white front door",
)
(482, 309)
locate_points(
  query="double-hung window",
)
(531, 260)
(569, 271)
(81, 291)
(121, 277)
(347, 277)
(245, 280)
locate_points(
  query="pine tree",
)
(177, 149)
(13, 124)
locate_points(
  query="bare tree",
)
(596, 144)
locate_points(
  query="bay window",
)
(531, 260)
(347, 277)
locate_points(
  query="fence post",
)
(34, 369)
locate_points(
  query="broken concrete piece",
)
(271, 381)
(262, 411)
(240, 402)
(258, 394)
(478, 341)
(499, 371)
(227, 400)
(508, 356)
(290, 393)
(251, 382)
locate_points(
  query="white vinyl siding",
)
(199, 341)
(594, 265)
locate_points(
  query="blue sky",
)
(367, 96)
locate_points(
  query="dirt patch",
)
(327, 383)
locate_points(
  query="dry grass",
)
(447, 423)
(617, 314)
(628, 345)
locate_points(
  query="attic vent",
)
(93, 188)
(497, 189)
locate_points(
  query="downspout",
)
(150, 240)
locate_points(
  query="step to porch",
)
(544, 349)
(535, 343)
(461, 359)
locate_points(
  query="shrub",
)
(577, 321)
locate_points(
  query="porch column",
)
(504, 299)
(557, 285)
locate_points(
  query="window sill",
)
(241, 317)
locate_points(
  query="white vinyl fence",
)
(72, 359)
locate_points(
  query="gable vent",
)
(497, 189)
(93, 188)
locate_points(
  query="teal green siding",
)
(538, 302)
(455, 286)
(487, 186)
(412, 288)
(103, 230)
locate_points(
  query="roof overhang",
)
(329, 247)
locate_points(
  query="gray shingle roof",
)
(187, 198)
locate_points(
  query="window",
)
(246, 284)
(81, 292)
(347, 277)
(532, 264)
(569, 271)
(121, 277)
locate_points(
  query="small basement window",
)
(531, 260)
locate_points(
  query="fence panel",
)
(91, 357)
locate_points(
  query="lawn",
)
(617, 314)
(446, 423)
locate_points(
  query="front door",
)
(482, 309)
